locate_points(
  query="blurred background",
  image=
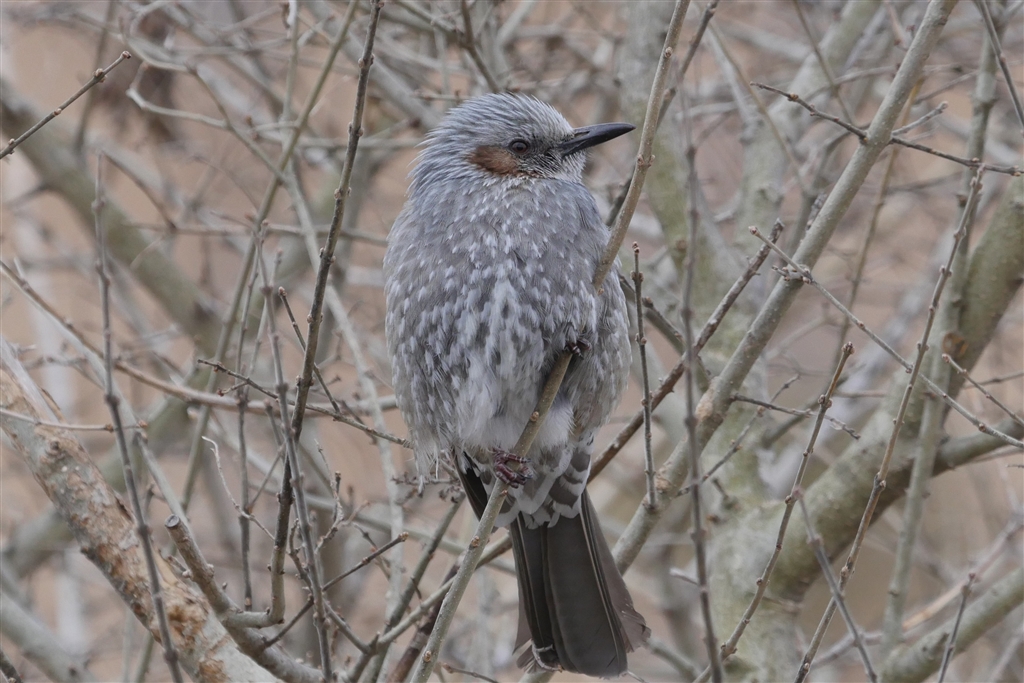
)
(218, 148)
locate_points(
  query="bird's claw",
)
(513, 477)
(578, 347)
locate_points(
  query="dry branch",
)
(105, 531)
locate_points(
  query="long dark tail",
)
(573, 602)
(579, 612)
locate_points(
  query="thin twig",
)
(242, 513)
(822, 62)
(837, 592)
(97, 78)
(869, 235)
(113, 401)
(824, 402)
(676, 78)
(245, 508)
(963, 161)
(283, 293)
(800, 413)
(419, 639)
(410, 589)
(987, 394)
(468, 43)
(937, 111)
(451, 668)
(64, 425)
(668, 384)
(993, 36)
(245, 379)
(368, 559)
(90, 101)
(883, 468)
(298, 490)
(691, 50)
(926, 444)
(697, 516)
(645, 155)
(346, 630)
(947, 656)
(814, 111)
(894, 139)
(780, 139)
(355, 131)
(805, 275)
(641, 341)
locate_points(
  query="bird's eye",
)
(519, 146)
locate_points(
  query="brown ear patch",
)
(495, 159)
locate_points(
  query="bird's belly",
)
(494, 419)
(506, 374)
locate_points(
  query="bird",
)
(488, 279)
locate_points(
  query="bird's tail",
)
(573, 601)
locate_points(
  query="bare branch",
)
(923, 658)
(97, 77)
(107, 535)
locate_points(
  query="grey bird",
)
(488, 280)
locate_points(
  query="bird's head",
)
(514, 136)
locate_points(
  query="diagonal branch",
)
(106, 533)
(923, 658)
(96, 79)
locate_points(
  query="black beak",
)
(582, 138)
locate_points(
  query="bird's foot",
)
(578, 347)
(546, 658)
(513, 477)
